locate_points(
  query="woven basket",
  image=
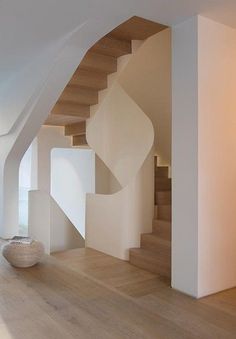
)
(23, 255)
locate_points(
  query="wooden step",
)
(161, 171)
(163, 197)
(150, 261)
(80, 95)
(89, 79)
(162, 184)
(164, 212)
(112, 47)
(136, 28)
(152, 242)
(79, 140)
(76, 129)
(99, 63)
(71, 109)
(61, 120)
(162, 229)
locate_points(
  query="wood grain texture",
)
(136, 28)
(89, 79)
(79, 140)
(111, 46)
(98, 63)
(80, 95)
(154, 253)
(76, 129)
(85, 294)
(71, 109)
(209, 318)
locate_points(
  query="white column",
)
(204, 157)
(185, 157)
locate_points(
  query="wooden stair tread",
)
(62, 120)
(99, 63)
(163, 197)
(90, 79)
(162, 184)
(152, 242)
(79, 140)
(112, 47)
(164, 212)
(71, 109)
(162, 229)
(80, 95)
(150, 261)
(161, 171)
(75, 129)
(136, 28)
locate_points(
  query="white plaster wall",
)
(116, 133)
(72, 176)
(114, 222)
(185, 157)
(48, 138)
(49, 224)
(147, 80)
(105, 182)
(204, 165)
(216, 157)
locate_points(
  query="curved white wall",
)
(72, 176)
(120, 134)
(147, 80)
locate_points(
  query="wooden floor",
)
(86, 294)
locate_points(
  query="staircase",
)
(154, 254)
(73, 107)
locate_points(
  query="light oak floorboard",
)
(86, 294)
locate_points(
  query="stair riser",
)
(163, 198)
(93, 80)
(80, 95)
(162, 229)
(164, 212)
(150, 265)
(79, 140)
(75, 129)
(99, 63)
(112, 47)
(162, 184)
(71, 109)
(161, 172)
(152, 243)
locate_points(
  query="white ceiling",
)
(29, 27)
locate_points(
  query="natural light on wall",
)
(24, 187)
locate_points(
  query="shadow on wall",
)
(24, 188)
(72, 177)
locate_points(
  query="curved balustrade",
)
(122, 136)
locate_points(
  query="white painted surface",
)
(147, 80)
(122, 136)
(216, 157)
(48, 224)
(24, 187)
(72, 176)
(114, 222)
(117, 133)
(185, 158)
(49, 137)
(204, 166)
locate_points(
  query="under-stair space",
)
(154, 254)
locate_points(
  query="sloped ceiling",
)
(28, 27)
